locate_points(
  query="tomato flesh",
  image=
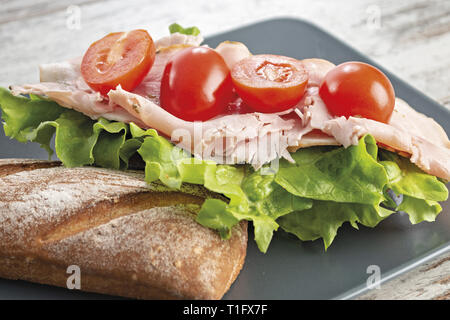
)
(269, 83)
(360, 90)
(196, 84)
(120, 58)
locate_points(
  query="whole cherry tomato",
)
(196, 84)
(360, 90)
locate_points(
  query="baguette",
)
(127, 237)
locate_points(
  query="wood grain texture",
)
(429, 281)
(411, 38)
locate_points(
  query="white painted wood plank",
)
(429, 281)
(13, 10)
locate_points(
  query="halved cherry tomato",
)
(269, 83)
(119, 58)
(360, 90)
(196, 84)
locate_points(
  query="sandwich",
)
(297, 144)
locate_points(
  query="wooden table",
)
(410, 38)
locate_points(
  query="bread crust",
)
(128, 238)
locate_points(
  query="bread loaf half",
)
(126, 237)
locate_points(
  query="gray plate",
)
(292, 269)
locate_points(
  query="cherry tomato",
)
(196, 84)
(119, 58)
(358, 89)
(269, 83)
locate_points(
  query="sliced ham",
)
(62, 82)
(178, 39)
(230, 138)
(317, 69)
(253, 138)
(233, 52)
(408, 131)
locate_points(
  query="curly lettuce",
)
(311, 198)
(175, 27)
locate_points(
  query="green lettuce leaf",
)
(253, 197)
(75, 137)
(161, 158)
(419, 210)
(133, 143)
(175, 27)
(324, 218)
(79, 140)
(420, 190)
(21, 114)
(111, 138)
(311, 198)
(340, 174)
(215, 214)
(228, 180)
(407, 179)
(269, 198)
